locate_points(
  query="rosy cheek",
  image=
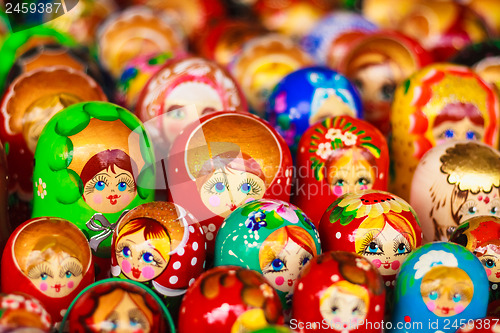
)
(338, 191)
(431, 306)
(44, 286)
(337, 319)
(214, 201)
(97, 199)
(71, 284)
(488, 271)
(126, 198)
(148, 272)
(279, 280)
(395, 265)
(126, 267)
(459, 308)
(377, 263)
(363, 187)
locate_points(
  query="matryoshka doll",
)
(377, 64)
(50, 259)
(262, 63)
(271, 237)
(93, 161)
(229, 299)
(136, 31)
(375, 224)
(182, 82)
(307, 96)
(338, 292)
(439, 103)
(454, 182)
(481, 236)
(223, 162)
(116, 305)
(27, 105)
(21, 312)
(160, 245)
(439, 284)
(337, 156)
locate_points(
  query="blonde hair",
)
(346, 287)
(433, 280)
(278, 240)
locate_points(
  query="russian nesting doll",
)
(440, 287)
(116, 305)
(50, 259)
(262, 63)
(338, 292)
(271, 237)
(377, 64)
(377, 225)
(229, 299)
(162, 246)
(136, 31)
(454, 182)
(308, 96)
(439, 103)
(337, 156)
(93, 161)
(21, 312)
(29, 103)
(223, 162)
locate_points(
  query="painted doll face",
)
(491, 262)
(110, 190)
(126, 317)
(448, 295)
(479, 204)
(227, 189)
(376, 84)
(56, 274)
(138, 259)
(350, 175)
(386, 248)
(283, 270)
(463, 129)
(342, 309)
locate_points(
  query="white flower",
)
(333, 133)
(363, 264)
(41, 188)
(349, 139)
(434, 258)
(324, 150)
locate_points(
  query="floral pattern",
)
(256, 220)
(40, 187)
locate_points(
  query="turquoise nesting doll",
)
(271, 237)
(93, 162)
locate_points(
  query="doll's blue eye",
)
(470, 135)
(147, 257)
(44, 276)
(472, 210)
(449, 134)
(100, 185)
(402, 248)
(134, 323)
(372, 248)
(122, 186)
(489, 263)
(68, 274)
(305, 260)
(433, 295)
(457, 298)
(246, 188)
(278, 264)
(219, 187)
(340, 182)
(494, 210)
(126, 252)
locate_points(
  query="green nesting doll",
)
(93, 162)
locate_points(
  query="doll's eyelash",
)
(211, 184)
(37, 271)
(256, 189)
(157, 261)
(398, 240)
(71, 267)
(129, 181)
(269, 267)
(90, 186)
(120, 248)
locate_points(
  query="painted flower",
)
(373, 203)
(324, 150)
(41, 188)
(333, 133)
(349, 139)
(12, 301)
(285, 210)
(33, 306)
(363, 264)
(267, 290)
(431, 259)
(256, 220)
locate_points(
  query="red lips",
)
(112, 198)
(58, 287)
(445, 310)
(497, 274)
(387, 265)
(136, 272)
(290, 282)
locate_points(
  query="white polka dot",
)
(388, 283)
(223, 224)
(338, 234)
(180, 251)
(279, 181)
(301, 286)
(377, 308)
(173, 279)
(211, 227)
(191, 229)
(201, 230)
(177, 265)
(393, 282)
(191, 281)
(334, 278)
(494, 286)
(193, 261)
(302, 149)
(205, 245)
(176, 169)
(205, 229)
(210, 236)
(195, 246)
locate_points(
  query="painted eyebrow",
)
(123, 173)
(101, 174)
